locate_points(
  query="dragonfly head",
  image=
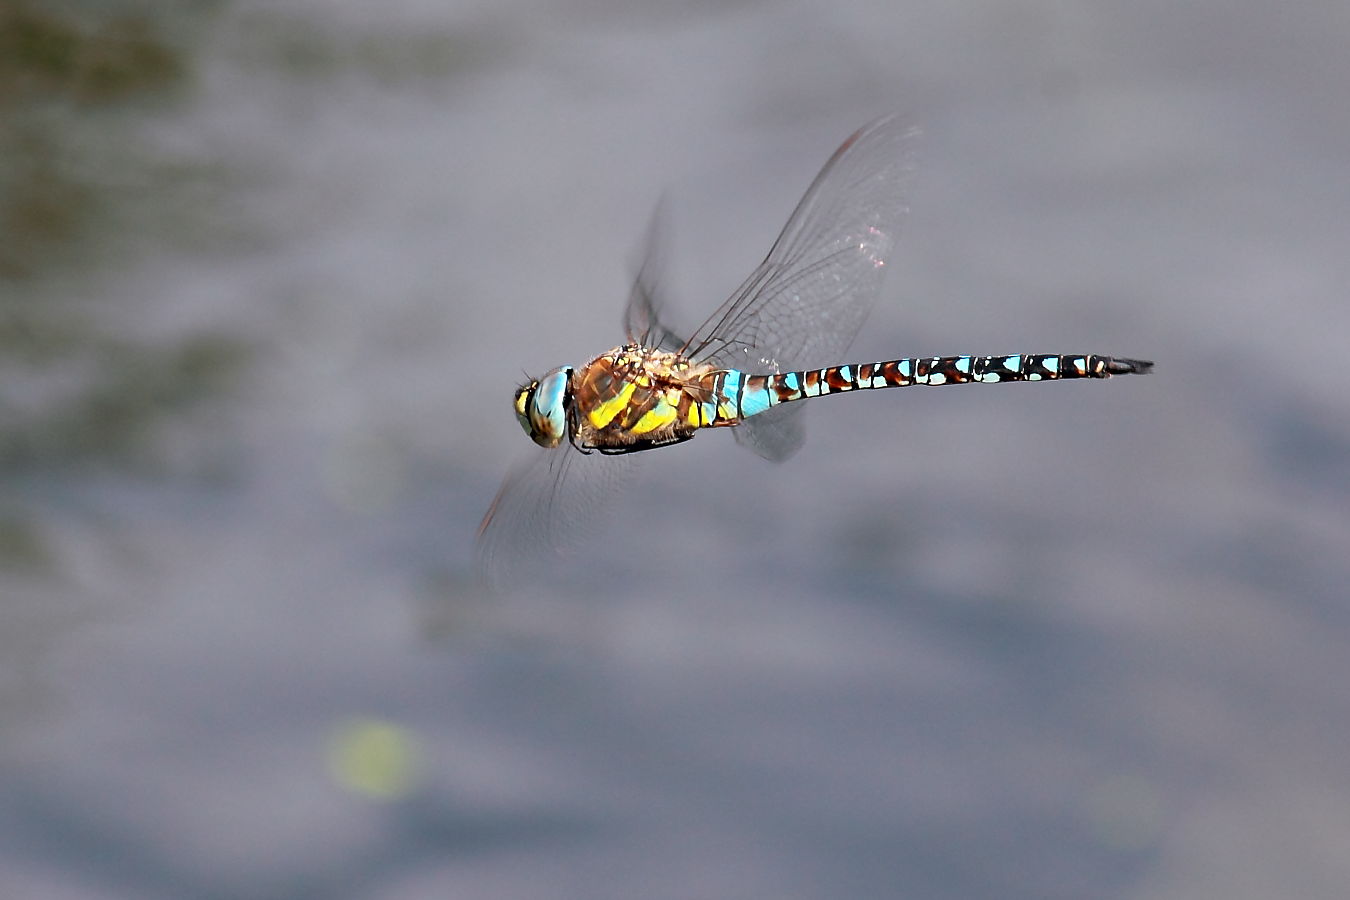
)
(541, 407)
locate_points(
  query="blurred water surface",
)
(268, 272)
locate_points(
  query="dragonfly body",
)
(636, 398)
(745, 366)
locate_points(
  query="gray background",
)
(271, 269)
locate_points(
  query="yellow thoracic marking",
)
(521, 399)
(604, 413)
(660, 414)
(701, 413)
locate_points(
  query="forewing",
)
(548, 506)
(642, 317)
(805, 302)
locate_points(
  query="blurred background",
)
(269, 272)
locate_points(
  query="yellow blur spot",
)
(373, 758)
(604, 413)
(660, 414)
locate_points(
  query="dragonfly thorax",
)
(542, 407)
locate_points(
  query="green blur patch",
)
(101, 61)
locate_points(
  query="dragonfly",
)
(745, 368)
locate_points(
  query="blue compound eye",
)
(541, 407)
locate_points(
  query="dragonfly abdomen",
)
(754, 394)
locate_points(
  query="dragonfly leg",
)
(639, 446)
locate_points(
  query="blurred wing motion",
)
(642, 316)
(548, 505)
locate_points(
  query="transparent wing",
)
(806, 301)
(548, 505)
(642, 317)
(551, 503)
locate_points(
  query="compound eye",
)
(524, 394)
(547, 407)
